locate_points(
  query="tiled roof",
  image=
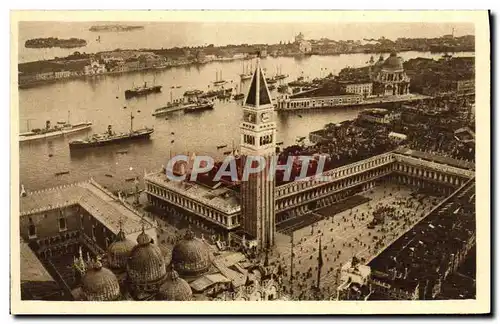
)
(421, 252)
(31, 267)
(437, 158)
(91, 196)
(224, 199)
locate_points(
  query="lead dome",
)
(190, 257)
(119, 251)
(146, 263)
(100, 284)
(175, 288)
(393, 63)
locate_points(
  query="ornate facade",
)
(389, 77)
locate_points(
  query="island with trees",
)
(114, 28)
(51, 42)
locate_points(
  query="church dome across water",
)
(393, 63)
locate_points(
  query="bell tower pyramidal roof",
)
(258, 93)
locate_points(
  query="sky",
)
(223, 33)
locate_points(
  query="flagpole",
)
(320, 263)
(291, 267)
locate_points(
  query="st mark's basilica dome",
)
(175, 288)
(99, 283)
(190, 256)
(146, 263)
(119, 251)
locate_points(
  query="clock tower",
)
(258, 139)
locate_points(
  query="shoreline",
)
(35, 83)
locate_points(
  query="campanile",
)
(258, 138)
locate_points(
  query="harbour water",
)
(101, 100)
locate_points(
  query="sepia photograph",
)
(266, 159)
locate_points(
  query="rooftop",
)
(421, 253)
(219, 197)
(31, 267)
(326, 91)
(36, 282)
(91, 196)
(436, 158)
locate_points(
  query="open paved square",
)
(347, 234)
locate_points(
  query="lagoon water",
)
(101, 101)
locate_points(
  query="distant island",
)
(55, 42)
(114, 28)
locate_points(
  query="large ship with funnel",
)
(60, 129)
(142, 91)
(110, 137)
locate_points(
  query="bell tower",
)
(258, 139)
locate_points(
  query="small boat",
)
(51, 155)
(138, 111)
(221, 146)
(218, 79)
(166, 118)
(271, 87)
(174, 105)
(124, 107)
(195, 92)
(61, 173)
(300, 116)
(271, 80)
(172, 141)
(239, 96)
(225, 94)
(116, 97)
(227, 152)
(246, 73)
(130, 179)
(178, 87)
(109, 175)
(122, 152)
(142, 91)
(279, 75)
(282, 88)
(279, 143)
(172, 133)
(199, 106)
